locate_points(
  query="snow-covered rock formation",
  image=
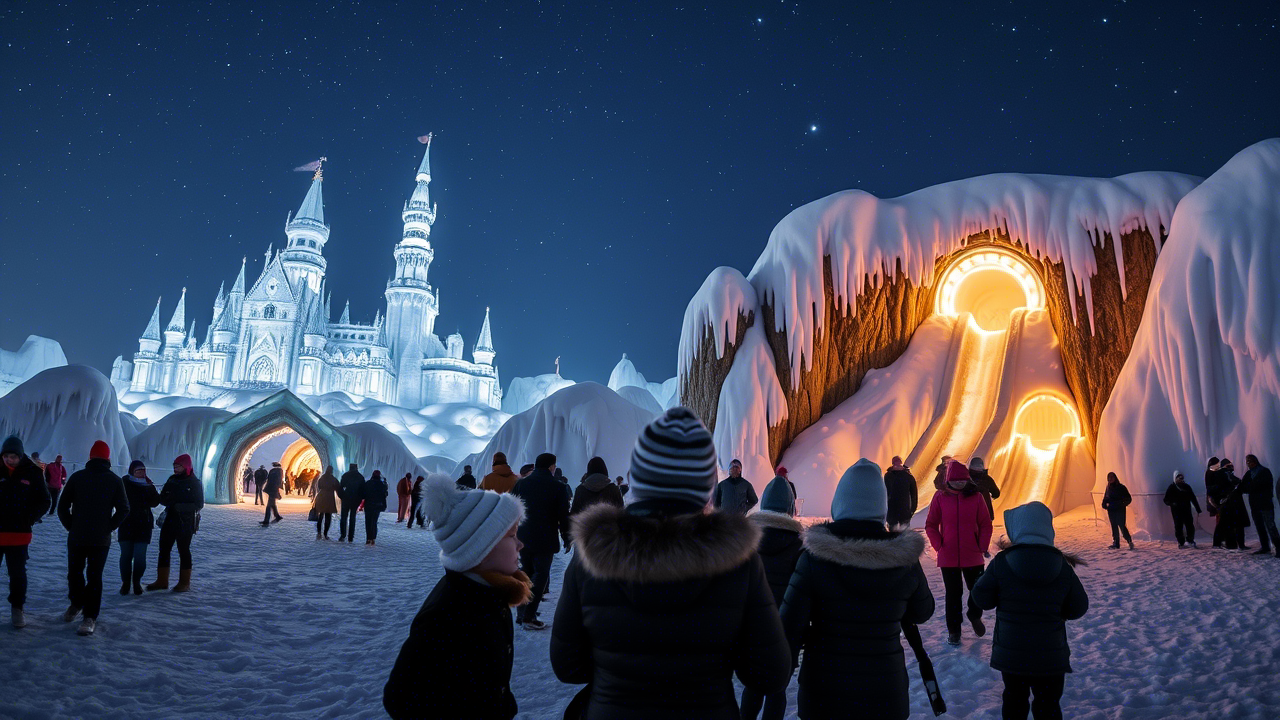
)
(63, 411)
(36, 355)
(525, 392)
(625, 374)
(1203, 378)
(576, 423)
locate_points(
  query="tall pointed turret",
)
(346, 315)
(220, 301)
(175, 331)
(412, 306)
(238, 287)
(483, 352)
(153, 326)
(303, 257)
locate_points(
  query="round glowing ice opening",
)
(1045, 420)
(989, 284)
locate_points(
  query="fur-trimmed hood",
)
(781, 521)
(891, 551)
(615, 545)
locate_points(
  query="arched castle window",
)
(269, 312)
(262, 370)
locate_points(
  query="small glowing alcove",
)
(990, 284)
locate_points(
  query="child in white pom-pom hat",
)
(457, 659)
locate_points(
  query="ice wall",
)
(35, 355)
(525, 392)
(63, 411)
(1203, 378)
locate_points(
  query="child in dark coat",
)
(779, 549)
(1034, 589)
(456, 662)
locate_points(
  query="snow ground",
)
(279, 625)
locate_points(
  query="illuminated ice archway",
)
(989, 283)
(300, 456)
(1045, 419)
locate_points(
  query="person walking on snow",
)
(986, 484)
(135, 532)
(595, 487)
(259, 482)
(663, 602)
(1233, 506)
(1181, 498)
(940, 473)
(183, 498)
(1257, 483)
(900, 488)
(467, 481)
(375, 502)
(546, 507)
(779, 549)
(55, 475)
(854, 586)
(404, 496)
(1115, 501)
(415, 509)
(734, 494)
(92, 506)
(457, 660)
(1034, 590)
(24, 498)
(501, 480)
(959, 529)
(352, 493)
(275, 485)
(326, 490)
(1216, 489)
(246, 480)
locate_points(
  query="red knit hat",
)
(99, 451)
(957, 471)
(782, 470)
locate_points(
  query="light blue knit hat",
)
(861, 494)
(467, 523)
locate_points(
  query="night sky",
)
(592, 164)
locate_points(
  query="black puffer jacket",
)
(182, 497)
(546, 512)
(1034, 591)
(988, 487)
(24, 497)
(92, 505)
(595, 488)
(854, 586)
(375, 493)
(779, 549)
(352, 486)
(662, 604)
(142, 497)
(903, 496)
(456, 662)
(1181, 498)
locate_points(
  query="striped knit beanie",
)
(467, 523)
(674, 458)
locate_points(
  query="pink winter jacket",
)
(959, 528)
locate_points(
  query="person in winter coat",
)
(415, 510)
(663, 602)
(404, 496)
(1181, 498)
(135, 532)
(55, 475)
(986, 484)
(546, 507)
(1115, 501)
(959, 529)
(259, 482)
(595, 487)
(1034, 591)
(1257, 483)
(501, 480)
(273, 490)
(375, 502)
(900, 485)
(352, 494)
(1233, 507)
(92, 506)
(1216, 489)
(854, 586)
(183, 498)
(623, 486)
(326, 490)
(456, 662)
(779, 550)
(734, 494)
(24, 498)
(940, 473)
(467, 481)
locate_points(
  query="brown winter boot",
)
(162, 579)
(184, 580)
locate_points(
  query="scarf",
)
(516, 589)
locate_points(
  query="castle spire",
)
(238, 287)
(221, 300)
(179, 320)
(346, 315)
(153, 327)
(483, 351)
(312, 207)
(424, 170)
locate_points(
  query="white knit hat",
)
(467, 523)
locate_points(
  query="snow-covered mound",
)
(36, 355)
(63, 411)
(373, 447)
(438, 464)
(576, 423)
(1203, 377)
(884, 418)
(625, 374)
(185, 431)
(641, 398)
(525, 392)
(131, 425)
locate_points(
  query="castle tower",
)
(303, 257)
(175, 332)
(412, 307)
(483, 353)
(145, 369)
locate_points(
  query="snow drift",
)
(36, 355)
(185, 431)
(63, 411)
(525, 392)
(625, 375)
(1203, 378)
(373, 447)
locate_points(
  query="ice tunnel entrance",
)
(1045, 419)
(298, 458)
(989, 284)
